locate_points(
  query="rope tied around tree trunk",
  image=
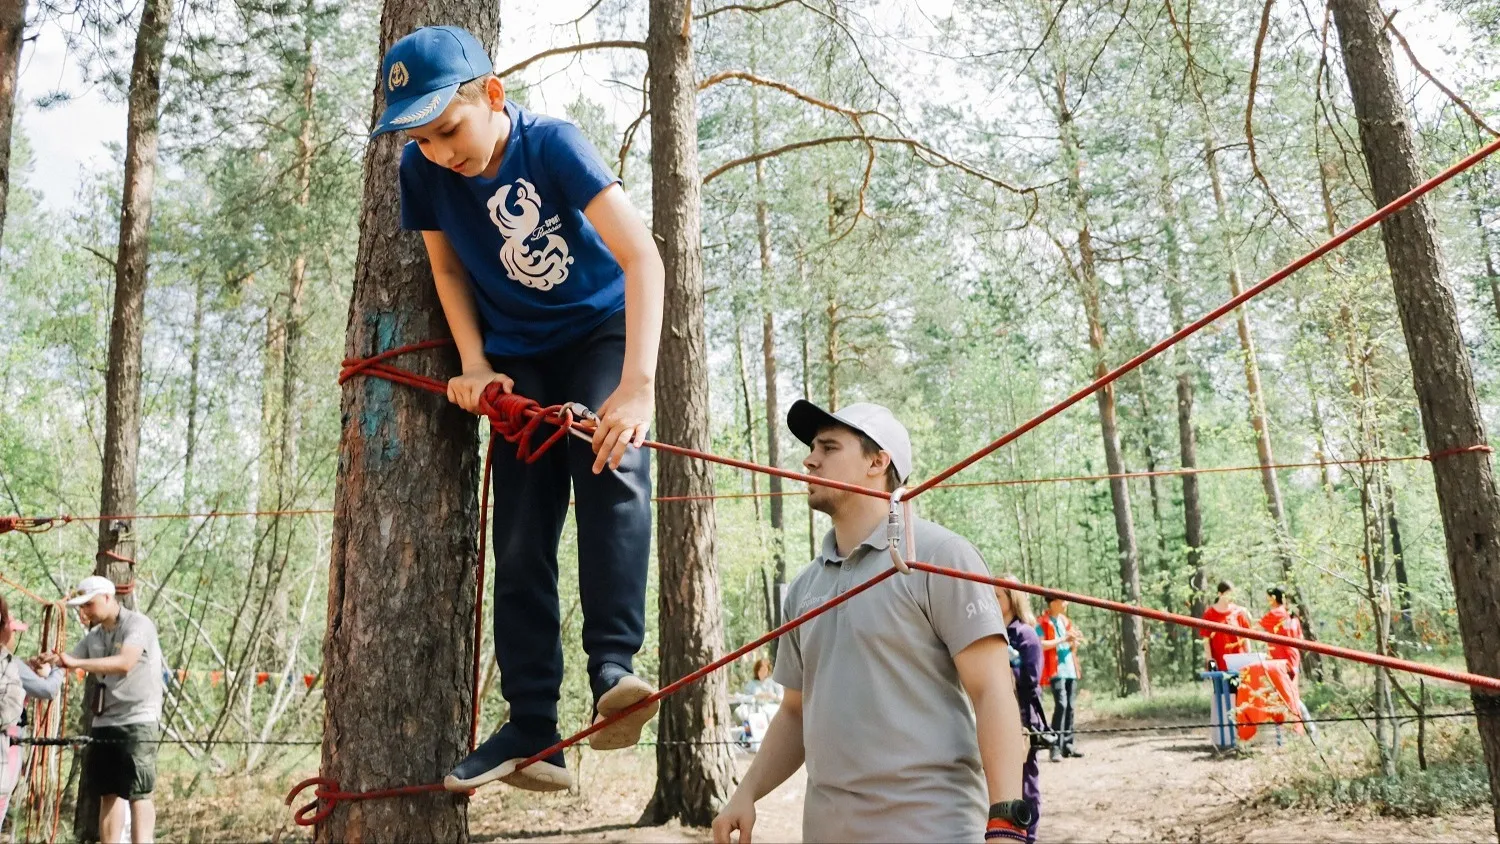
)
(122, 588)
(329, 795)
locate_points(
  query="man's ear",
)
(494, 91)
(878, 464)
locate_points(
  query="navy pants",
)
(1063, 692)
(614, 531)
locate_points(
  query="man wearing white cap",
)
(122, 651)
(900, 701)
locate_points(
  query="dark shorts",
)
(122, 760)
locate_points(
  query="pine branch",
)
(1448, 92)
(620, 44)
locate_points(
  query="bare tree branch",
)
(1260, 176)
(1449, 92)
(744, 7)
(630, 130)
(727, 75)
(915, 145)
(620, 44)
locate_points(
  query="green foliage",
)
(1450, 786)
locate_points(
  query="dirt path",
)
(1129, 788)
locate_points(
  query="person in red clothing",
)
(1281, 622)
(1225, 611)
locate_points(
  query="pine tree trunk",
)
(1182, 363)
(12, 25)
(1133, 676)
(122, 393)
(1490, 273)
(195, 365)
(693, 778)
(1405, 621)
(768, 363)
(744, 373)
(401, 569)
(1260, 421)
(806, 344)
(1441, 373)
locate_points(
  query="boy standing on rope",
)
(552, 288)
(875, 691)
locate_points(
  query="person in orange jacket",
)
(1225, 611)
(1060, 640)
(1280, 621)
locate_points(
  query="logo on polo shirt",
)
(398, 78)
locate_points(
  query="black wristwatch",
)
(1019, 812)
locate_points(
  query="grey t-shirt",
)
(133, 697)
(891, 741)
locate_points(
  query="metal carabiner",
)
(898, 530)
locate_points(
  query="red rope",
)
(733, 496)
(1188, 330)
(1478, 681)
(506, 415)
(328, 789)
(122, 588)
(330, 795)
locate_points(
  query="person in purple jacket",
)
(1026, 665)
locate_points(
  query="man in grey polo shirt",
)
(121, 650)
(875, 699)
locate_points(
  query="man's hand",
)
(55, 658)
(623, 420)
(738, 814)
(466, 390)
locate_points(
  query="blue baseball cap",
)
(423, 71)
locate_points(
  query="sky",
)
(72, 139)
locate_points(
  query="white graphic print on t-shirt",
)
(520, 223)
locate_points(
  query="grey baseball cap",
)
(874, 421)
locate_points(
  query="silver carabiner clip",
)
(898, 530)
(581, 411)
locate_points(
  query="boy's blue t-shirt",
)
(540, 273)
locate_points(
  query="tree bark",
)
(1133, 675)
(12, 25)
(744, 373)
(122, 391)
(1441, 373)
(1187, 435)
(694, 776)
(401, 570)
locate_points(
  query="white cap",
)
(89, 588)
(874, 421)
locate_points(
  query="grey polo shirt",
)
(891, 741)
(134, 697)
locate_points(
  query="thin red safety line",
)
(1188, 330)
(730, 496)
(1478, 681)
